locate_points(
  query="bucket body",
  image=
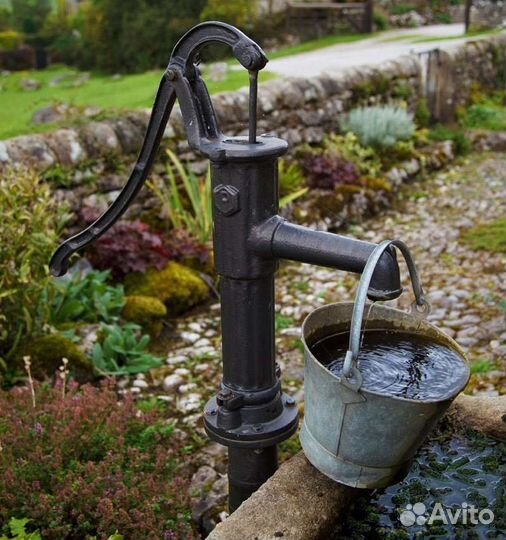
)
(361, 438)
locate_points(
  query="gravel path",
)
(386, 46)
(464, 288)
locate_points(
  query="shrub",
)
(10, 40)
(327, 172)
(380, 18)
(379, 127)
(461, 144)
(485, 115)
(82, 465)
(29, 229)
(86, 299)
(236, 12)
(349, 148)
(129, 246)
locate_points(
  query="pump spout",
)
(279, 239)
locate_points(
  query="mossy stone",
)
(146, 311)
(46, 353)
(176, 286)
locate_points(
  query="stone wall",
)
(297, 109)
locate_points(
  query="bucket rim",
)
(454, 345)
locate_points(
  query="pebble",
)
(178, 359)
(190, 337)
(190, 402)
(201, 368)
(140, 384)
(184, 372)
(185, 388)
(204, 342)
(195, 327)
(171, 383)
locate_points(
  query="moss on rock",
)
(176, 286)
(46, 353)
(146, 311)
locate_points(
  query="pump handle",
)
(180, 80)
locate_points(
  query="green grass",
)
(488, 237)
(315, 44)
(130, 92)
(470, 35)
(487, 115)
(404, 37)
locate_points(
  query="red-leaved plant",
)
(327, 172)
(80, 464)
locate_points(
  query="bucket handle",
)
(352, 377)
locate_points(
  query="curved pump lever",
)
(181, 80)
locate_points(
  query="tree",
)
(29, 16)
(133, 35)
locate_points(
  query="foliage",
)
(86, 299)
(17, 530)
(10, 40)
(380, 18)
(349, 148)
(81, 464)
(187, 250)
(327, 171)
(487, 115)
(29, 229)
(122, 352)
(482, 366)
(186, 199)
(29, 16)
(488, 237)
(291, 177)
(401, 8)
(129, 246)
(178, 287)
(462, 145)
(107, 27)
(146, 311)
(422, 113)
(236, 12)
(380, 126)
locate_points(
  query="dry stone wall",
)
(299, 110)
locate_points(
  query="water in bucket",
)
(398, 364)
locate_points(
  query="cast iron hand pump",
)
(250, 414)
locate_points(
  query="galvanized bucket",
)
(353, 435)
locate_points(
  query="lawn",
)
(128, 92)
(107, 93)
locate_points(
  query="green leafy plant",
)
(122, 351)
(461, 144)
(291, 177)
(422, 113)
(86, 299)
(349, 148)
(488, 237)
(29, 229)
(487, 115)
(17, 530)
(380, 126)
(188, 204)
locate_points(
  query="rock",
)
(190, 337)
(177, 286)
(189, 403)
(183, 372)
(171, 383)
(201, 368)
(195, 327)
(185, 388)
(30, 85)
(178, 359)
(218, 71)
(139, 383)
(48, 115)
(46, 353)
